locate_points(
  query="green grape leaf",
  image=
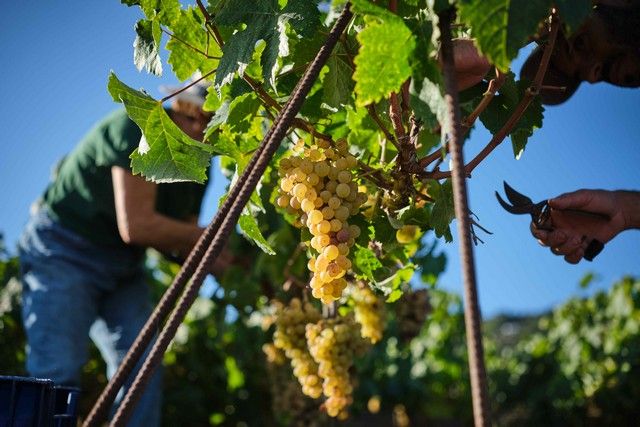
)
(167, 11)
(366, 7)
(573, 12)
(502, 27)
(519, 139)
(241, 110)
(263, 21)
(501, 108)
(250, 229)
(426, 98)
(338, 84)
(130, 2)
(165, 154)
(443, 210)
(389, 285)
(428, 103)
(221, 115)
(304, 16)
(383, 62)
(213, 100)
(146, 45)
(189, 47)
(366, 262)
(224, 144)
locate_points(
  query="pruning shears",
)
(541, 215)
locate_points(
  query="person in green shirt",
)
(82, 251)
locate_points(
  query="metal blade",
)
(517, 210)
(516, 199)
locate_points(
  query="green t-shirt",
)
(80, 196)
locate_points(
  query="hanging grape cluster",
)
(319, 188)
(334, 343)
(290, 337)
(369, 312)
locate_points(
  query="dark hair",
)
(623, 23)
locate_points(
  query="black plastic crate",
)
(35, 402)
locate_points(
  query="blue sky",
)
(56, 57)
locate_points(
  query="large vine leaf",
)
(502, 27)
(366, 262)
(146, 46)
(189, 36)
(165, 154)
(338, 83)
(501, 108)
(383, 62)
(262, 21)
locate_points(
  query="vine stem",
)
(472, 317)
(190, 46)
(371, 109)
(531, 92)
(494, 85)
(171, 95)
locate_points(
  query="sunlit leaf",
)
(166, 153)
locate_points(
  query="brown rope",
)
(250, 177)
(481, 409)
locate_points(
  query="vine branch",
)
(494, 85)
(520, 109)
(530, 93)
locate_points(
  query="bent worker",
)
(82, 250)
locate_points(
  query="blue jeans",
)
(74, 289)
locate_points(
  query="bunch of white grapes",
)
(334, 343)
(369, 312)
(320, 188)
(290, 336)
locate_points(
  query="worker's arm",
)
(140, 224)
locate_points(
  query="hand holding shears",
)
(569, 224)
